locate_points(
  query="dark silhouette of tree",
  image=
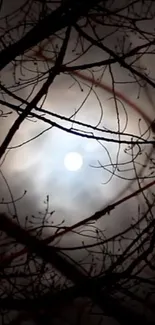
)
(42, 280)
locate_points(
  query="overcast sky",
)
(38, 166)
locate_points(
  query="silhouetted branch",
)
(66, 14)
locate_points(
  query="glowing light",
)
(73, 161)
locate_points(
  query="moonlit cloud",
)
(67, 171)
(38, 166)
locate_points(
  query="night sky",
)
(37, 166)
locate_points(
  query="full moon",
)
(73, 161)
